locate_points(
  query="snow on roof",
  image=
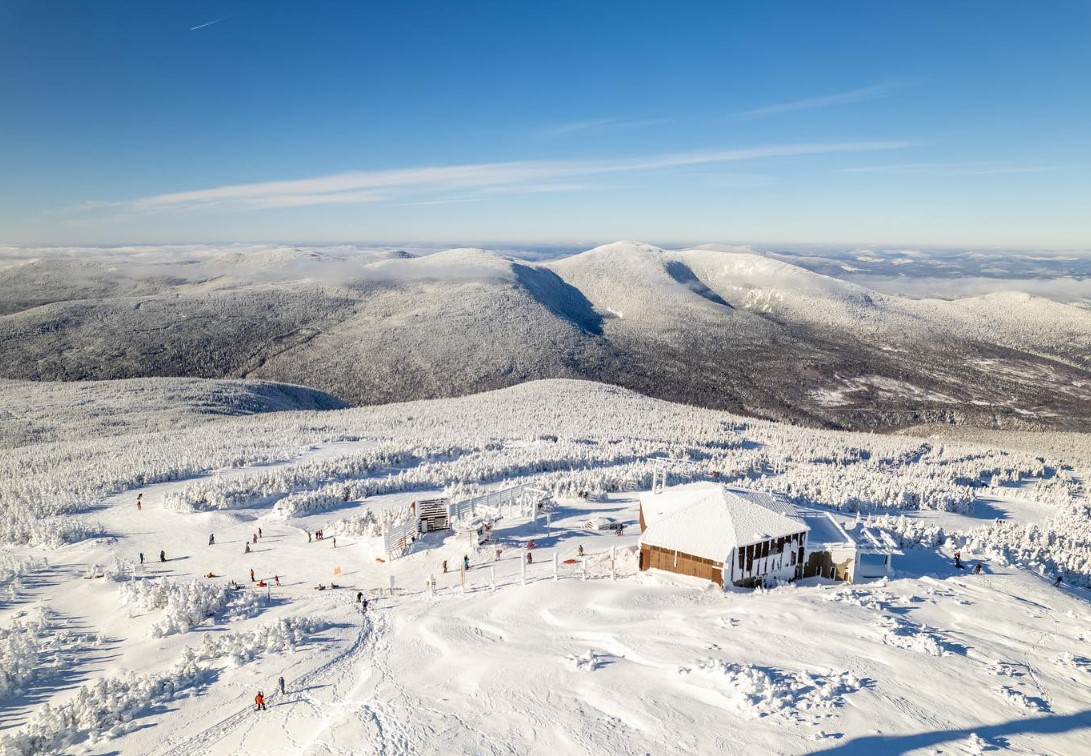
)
(708, 520)
(825, 531)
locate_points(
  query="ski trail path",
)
(229, 734)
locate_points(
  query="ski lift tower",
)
(663, 465)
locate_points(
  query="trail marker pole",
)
(556, 567)
(462, 577)
(523, 564)
(583, 568)
(492, 577)
(613, 555)
(391, 582)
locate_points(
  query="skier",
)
(162, 556)
(259, 533)
(308, 536)
(363, 605)
(958, 560)
(580, 552)
(211, 539)
(1057, 582)
(359, 597)
(276, 580)
(259, 700)
(465, 562)
(530, 558)
(255, 537)
(335, 542)
(977, 568)
(142, 557)
(444, 566)
(247, 549)
(252, 575)
(530, 544)
(497, 559)
(281, 683)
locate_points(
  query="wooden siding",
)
(821, 564)
(656, 557)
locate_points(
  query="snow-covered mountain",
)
(714, 326)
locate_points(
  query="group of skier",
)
(498, 552)
(259, 699)
(1058, 579)
(959, 565)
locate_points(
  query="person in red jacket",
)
(259, 699)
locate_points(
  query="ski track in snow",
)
(204, 741)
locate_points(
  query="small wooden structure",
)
(433, 514)
(730, 536)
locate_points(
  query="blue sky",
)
(943, 123)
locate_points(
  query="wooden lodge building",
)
(730, 536)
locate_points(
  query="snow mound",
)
(920, 639)
(1021, 700)
(756, 691)
(587, 662)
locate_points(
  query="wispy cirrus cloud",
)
(873, 92)
(603, 124)
(982, 168)
(425, 183)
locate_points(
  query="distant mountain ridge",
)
(711, 326)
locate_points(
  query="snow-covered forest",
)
(238, 458)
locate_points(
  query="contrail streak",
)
(210, 23)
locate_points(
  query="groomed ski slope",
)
(936, 659)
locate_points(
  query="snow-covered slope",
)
(34, 412)
(100, 654)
